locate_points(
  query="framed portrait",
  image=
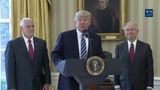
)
(108, 17)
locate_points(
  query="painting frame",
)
(122, 21)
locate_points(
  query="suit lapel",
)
(75, 40)
(137, 51)
(24, 48)
(126, 52)
(90, 45)
(35, 48)
(126, 49)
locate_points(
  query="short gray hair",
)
(23, 21)
(82, 13)
(131, 23)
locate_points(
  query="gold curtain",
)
(38, 10)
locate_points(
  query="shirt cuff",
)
(150, 88)
(117, 86)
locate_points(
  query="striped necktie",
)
(83, 47)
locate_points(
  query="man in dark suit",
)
(138, 60)
(26, 59)
(69, 46)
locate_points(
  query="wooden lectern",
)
(77, 69)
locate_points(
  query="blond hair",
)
(82, 13)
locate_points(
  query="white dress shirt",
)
(129, 45)
(79, 35)
(27, 43)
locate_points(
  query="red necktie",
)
(31, 52)
(131, 53)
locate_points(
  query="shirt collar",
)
(26, 39)
(129, 43)
(78, 33)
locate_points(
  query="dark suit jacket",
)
(67, 48)
(139, 74)
(22, 73)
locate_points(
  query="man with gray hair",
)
(77, 43)
(26, 60)
(138, 60)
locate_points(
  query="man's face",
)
(131, 32)
(103, 4)
(28, 29)
(82, 23)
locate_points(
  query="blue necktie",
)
(83, 47)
